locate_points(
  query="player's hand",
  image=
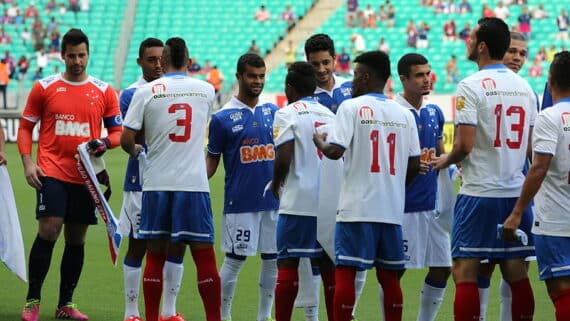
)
(275, 190)
(3, 160)
(33, 173)
(424, 167)
(439, 162)
(137, 150)
(97, 147)
(319, 139)
(510, 227)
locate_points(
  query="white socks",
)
(172, 279)
(359, 282)
(228, 275)
(430, 301)
(132, 282)
(483, 299)
(267, 280)
(506, 301)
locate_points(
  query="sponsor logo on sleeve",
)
(459, 102)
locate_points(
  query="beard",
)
(473, 55)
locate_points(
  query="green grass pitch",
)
(100, 290)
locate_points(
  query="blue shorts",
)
(297, 237)
(63, 199)
(366, 244)
(474, 233)
(553, 256)
(178, 216)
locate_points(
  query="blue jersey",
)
(132, 179)
(546, 98)
(421, 193)
(244, 137)
(342, 90)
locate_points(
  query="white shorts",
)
(130, 219)
(426, 243)
(246, 234)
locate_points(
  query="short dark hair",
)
(249, 59)
(319, 42)
(74, 37)
(408, 60)
(518, 36)
(378, 62)
(301, 76)
(559, 70)
(177, 52)
(148, 43)
(495, 33)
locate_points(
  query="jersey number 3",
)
(391, 140)
(185, 122)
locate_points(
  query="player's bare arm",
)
(283, 159)
(462, 146)
(2, 148)
(413, 169)
(32, 171)
(212, 162)
(529, 145)
(534, 178)
(128, 144)
(331, 151)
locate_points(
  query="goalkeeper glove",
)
(98, 146)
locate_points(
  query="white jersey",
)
(297, 122)
(552, 136)
(502, 106)
(379, 136)
(173, 112)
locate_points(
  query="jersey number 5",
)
(517, 126)
(391, 140)
(185, 122)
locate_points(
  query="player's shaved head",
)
(378, 64)
(149, 43)
(559, 70)
(74, 37)
(301, 77)
(175, 53)
(408, 60)
(249, 59)
(319, 42)
(494, 32)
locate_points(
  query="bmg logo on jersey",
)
(66, 126)
(257, 153)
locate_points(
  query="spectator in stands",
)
(370, 17)
(19, 18)
(382, 13)
(452, 75)
(288, 15)
(351, 9)
(5, 19)
(13, 11)
(84, 5)
(426, 3)
(524, 22)
(535, 70)
(194, 67)
(450, 8)
(343, 63)
(206, 67)
(358, 44)
(562, 21)
(550, 53)
(74, 7)
(432, 79)
(39, 74)
(465, 7)
(41, 59)
(31, 11)
(501, 11)
(38, 33)
(360, 21)
(52, 24)
(23, 65)
(5, 38)
(465, 32)
(290, 54)
(253, 48)
(262, 14)
(62, 9)
(541, 54)
(423, 32)
(539, 13)
(412, 33)
(487, 12)
(439, 6)
(383, 46)
(4, 81)
(54, 41)
(51, 6)
(25, 36)
(11, 63)
(215, 78)
(391, 21)
(449, 31)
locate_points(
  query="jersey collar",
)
(237, 104)
(172, 74)
(402, 101)
(338, 81)
(564, 100)
(494, 66)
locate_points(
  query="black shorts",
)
(62, 199)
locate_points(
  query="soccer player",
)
(426, 243)
(173, 112)
(548, 179)
(71, 107)
(3, 160)
(150, 52)
(296, 165)
(242, 132)
(495, 112)
(371, 124)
